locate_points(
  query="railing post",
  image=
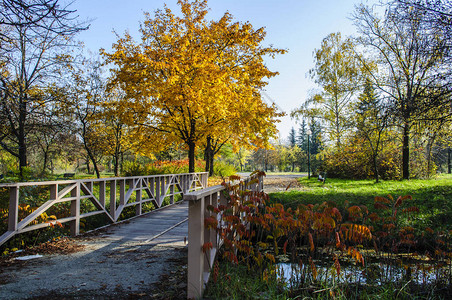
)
(188, 183)
(207, 201)
(75, 210)
(138, 207)
(102, 192)
(162, 188)
(172, 183)
(13, 208)
(89, 185)
(203, 180)
(113, 199)
(157, 191)
(53, 191)
(210, 235)
(261, 183)
(254, 186)
(182, 183)
(122, 192)
(151, 186)
(195, 254)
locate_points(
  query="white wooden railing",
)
(108, 195)
(199, 261)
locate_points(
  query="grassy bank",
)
(433, 197)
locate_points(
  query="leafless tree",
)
(410, 56)
(36, 38)
(86, 93)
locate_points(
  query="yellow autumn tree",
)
(117, 138)
(190, 79)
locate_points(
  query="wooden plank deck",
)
(126, 259)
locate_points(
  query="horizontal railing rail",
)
(200, 261)
(109, 196)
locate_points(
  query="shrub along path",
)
(145, 257)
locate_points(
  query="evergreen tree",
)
(368, 101)
(302, 136)
(315, 137)
(292, 138)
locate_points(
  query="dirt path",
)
(281, 183)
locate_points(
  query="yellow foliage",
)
(355, 232)
(190, 78)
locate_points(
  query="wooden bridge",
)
(130, 257)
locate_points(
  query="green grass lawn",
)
(433, 196)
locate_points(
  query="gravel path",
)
(127, 260)
(281, 183)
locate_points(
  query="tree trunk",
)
(21, 138)
(96, 168)
(22, 157)
(46, 158)
(93, 160)
(117, 148)
(207, 154)
(377, 177)
(88, 170)
(406, 152)
(239, 157)
(116, 158)
(449, 164)
(191, 157)
(116, 164)
(22, 151)
(211, 156)
(121, 162)
(84, 134)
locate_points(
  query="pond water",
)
(376, 274)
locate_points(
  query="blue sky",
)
(296, 25)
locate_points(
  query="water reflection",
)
(375, 274)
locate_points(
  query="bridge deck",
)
(143, 257)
